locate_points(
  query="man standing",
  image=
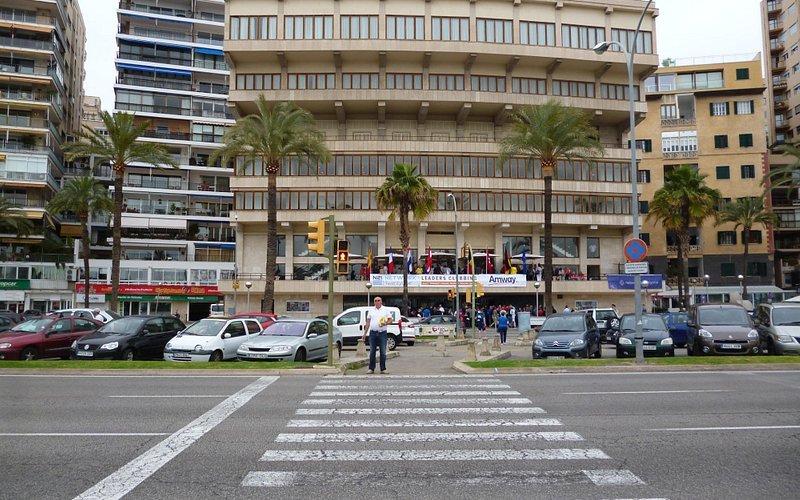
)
(378, 318)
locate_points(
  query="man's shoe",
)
(385, 372)
(372, 372)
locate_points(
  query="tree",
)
(272, 135)
(83, 196)
(12, 220)
(119, 148)
(787, 176)
(403, 192)
(547, 133)
(684, 201)
(746, 213)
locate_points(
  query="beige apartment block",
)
(435, 84)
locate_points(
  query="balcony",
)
(25, 16)
(678, 122)
(158, 84)
(775, 26)
(174, 209)
(774, 6)
(778, 66)
(678, 155)
(776, 46)
(26, 43)
(779, 84)
(781, 124)
(781, 104)
(18, 147)
(171, 110)
(176, 36)
(693, 249)
(172, 183)
(166, 11)
(169, 135)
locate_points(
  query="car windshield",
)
(789, 316)
(724, 316)
(123, 325)
(205, 328)
(649, 323)
(680, 318)
(32, 326)
(286, 329)
(607, 314)
(561, 324)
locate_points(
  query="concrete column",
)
(289, 234)
(381, 238)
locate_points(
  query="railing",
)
(146, 182)
(26, 43)
(168, 35)
(678, 122)
(24, 70)
(212, 88)
(779, 83)
(162, 210)
(166, 11)
(207, 113)
(774, 6)
(21, 121)
(37, 257)
(156, 59)
(206, 64)
(27, 203)
(692, 249)
(674, 155)
(175, 136)
(775, 25)
(159, 84)
(24, 95)
(171, 110)
(25, 16)
(17, 147)
(776, 45)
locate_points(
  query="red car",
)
(47, 337)
(265, 319)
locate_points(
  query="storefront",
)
(190, 302)
(12, 294)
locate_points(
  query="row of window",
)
(728, 269)
(745, 141)
(739, 108)
(746, 171)
(729, 237)
(365, 27)
(493, 202)
(445, 166)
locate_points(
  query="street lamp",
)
(741, 288)
(369, 286)
(455, 217)
(601, 48)
(248, 284)
(536, 285)
(705, 279)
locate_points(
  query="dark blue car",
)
(677, 324)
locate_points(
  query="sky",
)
(685, 29)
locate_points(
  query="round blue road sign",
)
(635, 250)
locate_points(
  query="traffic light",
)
(316, 240)
(342, 257)
(468, 298)
(479, 289)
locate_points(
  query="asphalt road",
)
(656, 435)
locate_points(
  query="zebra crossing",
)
(402, 431)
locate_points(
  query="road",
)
(654, 435)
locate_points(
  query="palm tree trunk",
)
(85, 253)
(405, 243)
(116, 236)
(268, 303)
(746, 258)
(684, 243)
(548, 239)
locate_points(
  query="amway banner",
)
(449, 280)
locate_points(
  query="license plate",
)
(649, 347)
(259, 356)
(87, 354)
(731, 346)
(181, 356)
(555, 357)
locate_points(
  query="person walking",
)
(378, 318)
(480, 321)
(512, 313)
(502, 326)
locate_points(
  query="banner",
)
(449, 280)
(15, 284)
(150, 289)
(626, 281)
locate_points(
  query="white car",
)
(291, 340)
(409, 328)
(100, 315)
(211, 339)
(351, 323)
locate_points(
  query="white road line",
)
(420, 437)
(613, 477)
(102, 375)
(427, 377)
(645, 392)
(278, 479)
(327, 387)
(129, 476)
(421, 423)
(443, 401)
(431, 455)
(747, 428)
(413, 411)
(414, 393)
(175, 396)
(82, 434)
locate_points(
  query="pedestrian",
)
(480, 321)
(177, 315)
(378, 318)
(502, 326)
(426, 313)
(567, 309)
(512, 313)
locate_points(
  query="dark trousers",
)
(502, 332)
(377, 339)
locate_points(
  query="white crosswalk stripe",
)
(418, 401)
(373, 393)
(420, 437)
(412, 386)
(437, 455)
(416, 411)
(422, 423)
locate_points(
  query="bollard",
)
(337, 355)
(361, 349)
(496, 343)
(471, 351)
(526, 336)
(441, 347)
(485, 347)
(459, 334)
(451, 335)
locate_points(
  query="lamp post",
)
(601, 48)
(705, 279)
(248, 284)
(741, 288)
(369, 286)
(236, 267)
(536, 285)
(455, 218)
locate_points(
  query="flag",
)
(506, 261)
(369, 263)
(429, 262)
(524, 261)
(409, 263)
(391, 260)
(489, 266)
(470, 261)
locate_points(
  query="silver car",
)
(291, 339)
(778, 327)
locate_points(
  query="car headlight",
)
(5, 345)
(625, 341)
(752, 334)
(704, 333)
(576, 342)
(110, 346)
(281, 348)
(168, 346)
(198, 347)
(786, 339)
(538, 342)
(244, 347)
(666, 341)
(74, 344)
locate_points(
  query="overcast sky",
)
(686, 29)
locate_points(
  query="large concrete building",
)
(435, 84)
(41, 91)
(710, 116)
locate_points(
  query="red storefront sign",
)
(150, 289)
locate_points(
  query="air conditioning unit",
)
(72, 274)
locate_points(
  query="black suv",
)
(129, 338)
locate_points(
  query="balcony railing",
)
(673, 249)
(171, 110)
(37, 257)
(24, 95)
(678, 122)
(779, 84)
(25, 16)
(775, 45)
(178, 210)
(175, 136)
(167, 35)
(675, 155)
(158, 183)
(774, 6)
(166, 11)
(26, 43)
(17, 147)
(158, 84)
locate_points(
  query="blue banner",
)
(625, 281)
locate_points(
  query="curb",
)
(354, 364)
(627, 368)
(313, 370)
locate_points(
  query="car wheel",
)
(391, 343)
(216, 356)
(128, 355)
(409, 344)
(599, 353)
(696, 350)
(29, 354)
(300, 355)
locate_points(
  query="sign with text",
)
(15, 284)
(636, 268)
(625, 281)
(150, 289)
(449, 280)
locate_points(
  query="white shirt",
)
(567, 309)
(379, 319)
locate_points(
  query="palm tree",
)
(746, 213)
(12, 220)
(82, 196)
(119, 148)
(546, 133)
(272, 135)
(787, 176)
(406, 191)
(684, 201)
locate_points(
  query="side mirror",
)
(226, 335)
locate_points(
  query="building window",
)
(669, 111)
(359, 27)
(360, 81)
(308, 27)
(743, 108)
(485, 83)
(757, 269)
(450, 29)
(723, 172)
(312, 81)
(727, 269)
(645, 145)
(495, 31)
(755, 236)
(679, 142)
(446, 82)
(748, 171)
(644, 206)
(726, 237)
(645, 237)
(720, 108)
(529, 86)
(537, 33)
(644, 176)
(253, 28)
(581, 37)
(258, 82)
(742, 73)
(404, 81)
(720, 141)
(563, 247)
(703, 80)
(644, 42)
(592, 248)
(405, 27)
(746, 140)
(617, 92)
(573, 89)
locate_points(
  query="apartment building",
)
(710, 116)
(781, 41)
(435, 84)
(41, 87)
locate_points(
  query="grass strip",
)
(151, 365)
(678, 361)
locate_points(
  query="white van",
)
(351, 323)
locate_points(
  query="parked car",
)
(32, 313)
(291, 339)
(265, 319)
(778, 327)
(15, 317)
(351, 323)
(99, 314)
(6, 323)
(48, 337)
(677, 324)
(435, 325)
(571, 335)
(129, 338)
(720, 329)
(606, 319)
(656, 340)
(447, 319)
(211, 339)
(409, 330)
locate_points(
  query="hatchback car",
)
(48, 337)
(571, 335)
(211, 339)
(291, 339)
(655, 336)
(408, 330)
(265, 319)
(15, 317)
(99, 314)
(129, 338)
(778, 327)
(6, 323)
(720, 329)
(677, 324)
